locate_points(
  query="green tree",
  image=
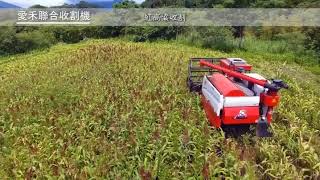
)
(126, 4)
(313, 39)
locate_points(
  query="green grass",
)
(117, 109)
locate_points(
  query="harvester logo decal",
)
(242, 115)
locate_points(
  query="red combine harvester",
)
(234, 98)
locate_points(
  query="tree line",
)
(303, 40)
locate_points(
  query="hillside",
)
(119, 109)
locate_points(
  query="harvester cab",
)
(232, 96)
(235, 64)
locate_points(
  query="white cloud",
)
(139, 1)
(28, 3)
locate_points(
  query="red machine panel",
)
(214, 120)
(225, 86)
(225, 63)
(240, 115)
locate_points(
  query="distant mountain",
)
(104, 4)
(7, 5)
(89, 4)
(95, 3)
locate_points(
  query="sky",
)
(28, 3)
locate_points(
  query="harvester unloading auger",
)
(234, 98)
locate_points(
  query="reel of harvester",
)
(197, 72)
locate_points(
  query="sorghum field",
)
(113, 109)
